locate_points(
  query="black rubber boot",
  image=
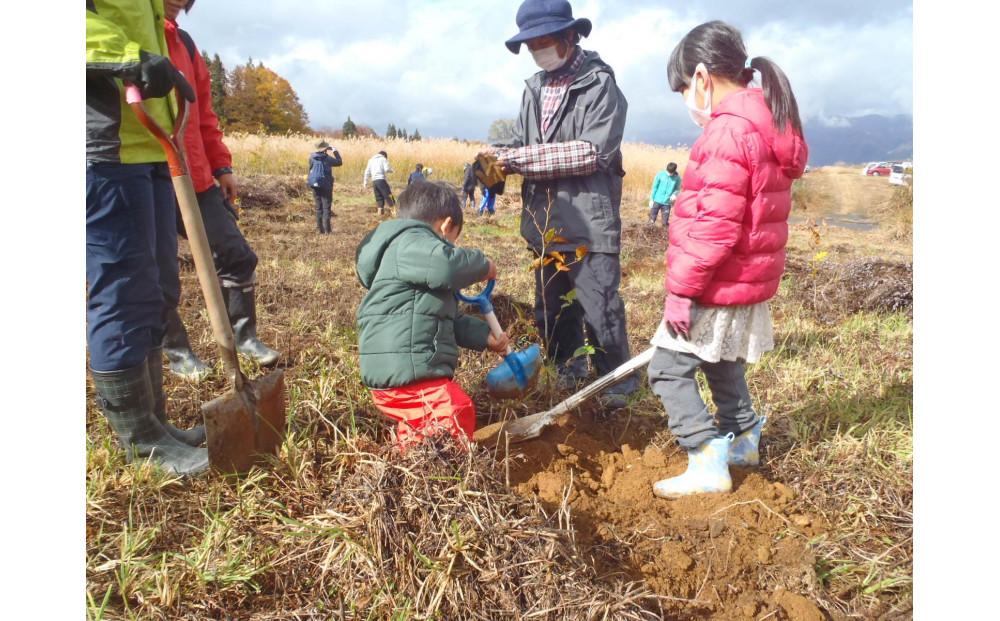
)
(126, 399)
(242, 306)
(192, 437)
(183, 362)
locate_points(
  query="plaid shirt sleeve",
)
(544, 162)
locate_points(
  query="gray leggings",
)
(672, 378)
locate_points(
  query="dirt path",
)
(847, 192)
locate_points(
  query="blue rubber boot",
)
(707, 471)
(745, 450)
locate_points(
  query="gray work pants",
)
(597, 308)
(672, 378)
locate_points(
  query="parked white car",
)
(898, 176)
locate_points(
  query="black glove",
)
(158, 76)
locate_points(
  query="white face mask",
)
(548, 58)
(700, 116)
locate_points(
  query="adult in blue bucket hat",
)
(567, 147)
(538, 18)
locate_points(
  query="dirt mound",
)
(440, 528)
(834, 290)
(727, 556)
(270, 191)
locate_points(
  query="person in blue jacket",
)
(417, 175)
(666, 185)
(320, 179)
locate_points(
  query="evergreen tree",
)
(390, 133)
(416, 135)
(217, 73)
(402, 134)
(350, 129)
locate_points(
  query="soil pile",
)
(438, 534)
(270, 191)
(836, 290)
(727, 556)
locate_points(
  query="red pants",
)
(427, 408)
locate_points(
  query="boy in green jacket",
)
(409, 327)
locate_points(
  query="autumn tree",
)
(260, 100)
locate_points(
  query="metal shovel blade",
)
(529, 427)
(242, 426)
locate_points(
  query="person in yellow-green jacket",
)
(132, 273)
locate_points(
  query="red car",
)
(881, 169)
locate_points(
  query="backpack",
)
(317, 173)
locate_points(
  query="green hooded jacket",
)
(116, 31)
(409, 327)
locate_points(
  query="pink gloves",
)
(677, 314)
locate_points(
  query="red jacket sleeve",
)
(722, 203)
(215, 150)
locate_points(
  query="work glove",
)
(651, 203)
(677, 314)
(489, 172)
(158, 76)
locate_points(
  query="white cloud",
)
(441, 66)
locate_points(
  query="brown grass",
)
(340, 528)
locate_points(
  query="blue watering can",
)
(519, 369)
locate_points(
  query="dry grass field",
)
(564, 527)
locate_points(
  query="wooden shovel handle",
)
(187, 200)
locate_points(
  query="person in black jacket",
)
(469, 186)
(321, 181)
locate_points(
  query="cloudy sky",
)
(441, 66)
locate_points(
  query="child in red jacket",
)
(726, 251)
(210, 166)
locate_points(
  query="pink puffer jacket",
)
(729, 226)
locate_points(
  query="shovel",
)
(529, 427)
(249, 421)
(519, 369)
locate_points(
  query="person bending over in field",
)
(567, 147)
(377, 171)
(210, 166)
(726, 251)
(469, 187)
(409, 326)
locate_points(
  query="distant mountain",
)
(853, 140)
(860, 139)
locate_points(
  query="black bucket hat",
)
(537, 18)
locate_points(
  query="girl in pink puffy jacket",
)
(726, 251)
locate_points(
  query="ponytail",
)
(778, 94)
(720, 48)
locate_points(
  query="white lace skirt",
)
(723, 333)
